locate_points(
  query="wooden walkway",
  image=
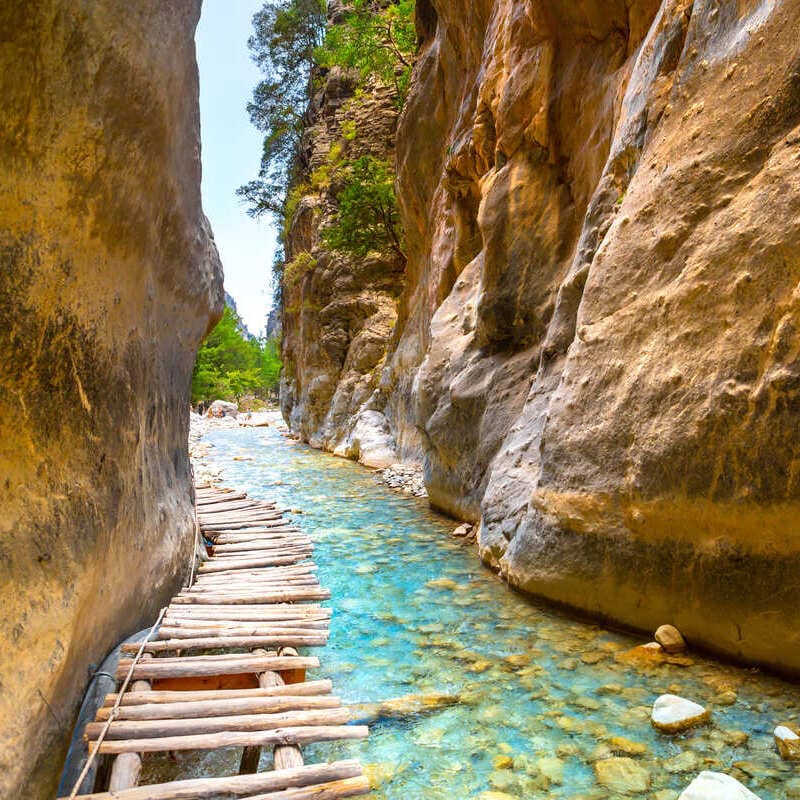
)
(254, 601)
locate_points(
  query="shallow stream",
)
(513, 700)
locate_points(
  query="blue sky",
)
(231, 154)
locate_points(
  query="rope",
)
(196, 532)
(115, 708)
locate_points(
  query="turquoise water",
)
(513, 700)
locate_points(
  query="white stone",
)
(370, 441)
(672, 714)
(716, 786)
(788, 743)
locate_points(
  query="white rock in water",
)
(788, 743)
(716, 786)
(672, 714)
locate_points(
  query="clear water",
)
(517, 701)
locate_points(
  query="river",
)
(514, 700)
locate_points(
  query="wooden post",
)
(284, 756)
(127, 767)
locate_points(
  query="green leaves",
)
(230, 363)
(366, 218)
(285, 38)
(377, 39)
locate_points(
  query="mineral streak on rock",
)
(109, 279)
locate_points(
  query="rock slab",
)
(673, 714)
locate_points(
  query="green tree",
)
(286, 36)
(378, 39)
(366, 218)
(231, 363)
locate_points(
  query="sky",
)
(231, 154)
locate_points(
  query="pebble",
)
(623, 775)
(672, 714)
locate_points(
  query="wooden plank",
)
(198, 667)
(350, 787)
(222, 707)
(238, 785)
(243, 642)
(274, 611)
(281, 736)
(190, 726)
(246, 563)
(277, 596)
(308, 689)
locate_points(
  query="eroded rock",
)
(788, 743)
(109, 279)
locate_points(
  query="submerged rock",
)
(623, 775)
(672, 714)
(402, 707)
(716, 786)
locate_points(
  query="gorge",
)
(574, 304)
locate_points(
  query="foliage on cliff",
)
(293, 46)
(232, 363)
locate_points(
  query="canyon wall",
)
(109, 280)
(596, 348)
(338, 308)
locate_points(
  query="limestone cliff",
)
(602, 304)
(109, 279)
(338, 309)
(596, 348)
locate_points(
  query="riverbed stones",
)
(716, 786)
(669, 637)
(623, 775)
(673, 714)
(788, 743)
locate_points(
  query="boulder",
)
(716, 786)
(669, 637)
(221, 408)
(788, 743)
(672, 714)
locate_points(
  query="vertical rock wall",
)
(598, 342)
(596, 345)
(109, 279)
(338, 309)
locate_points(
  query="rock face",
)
(338, 309)
(109, 279)
(595, 349)
(598, 334)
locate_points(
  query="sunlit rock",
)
(716, 786)
(669, 637)
(672, 714)
(788, 743)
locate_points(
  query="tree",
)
(378, 39)
(231, 363)
(366, 218)
(286, 36)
